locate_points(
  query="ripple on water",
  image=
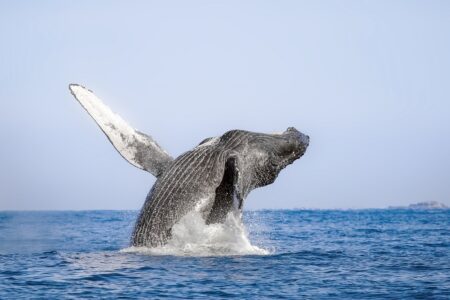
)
(313, 254)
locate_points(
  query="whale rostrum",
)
(214, 178)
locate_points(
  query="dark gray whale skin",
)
(213, 179)
(216, 176)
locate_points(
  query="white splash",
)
(191, 236)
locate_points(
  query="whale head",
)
(265, 155)
(252, 160)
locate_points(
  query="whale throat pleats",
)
(136, 147)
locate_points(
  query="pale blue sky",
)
(369, 81)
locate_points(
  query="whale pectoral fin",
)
(136, 147)
(227, 197)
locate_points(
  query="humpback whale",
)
(214, 178)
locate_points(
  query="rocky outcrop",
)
(423, 205)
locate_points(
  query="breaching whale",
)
(214, 178)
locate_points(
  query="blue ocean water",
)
(313, 254)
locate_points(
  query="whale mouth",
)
(226, 195)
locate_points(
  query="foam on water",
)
(191, 236)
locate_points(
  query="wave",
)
(191, 236)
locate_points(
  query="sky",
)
(368, 81)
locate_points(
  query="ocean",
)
(274, 254)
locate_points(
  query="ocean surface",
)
(274, 254)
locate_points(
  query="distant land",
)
(422, 205)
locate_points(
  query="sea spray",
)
(191, 236)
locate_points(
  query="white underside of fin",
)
(125, 138)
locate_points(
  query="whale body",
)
(214, 178)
